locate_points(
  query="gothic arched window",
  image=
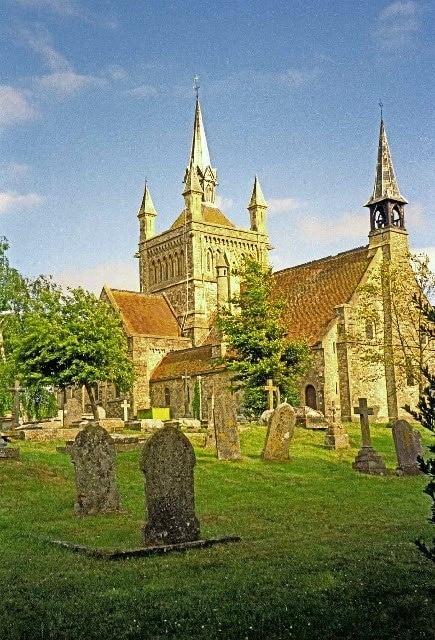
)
(160, 271)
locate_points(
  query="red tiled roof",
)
(143, 314)
(195, 361)
(312, 291)
(210, 215)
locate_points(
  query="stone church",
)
(188, 270)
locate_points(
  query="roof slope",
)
(196, 361)
(312, 290)
(148, 315)
(210, 215)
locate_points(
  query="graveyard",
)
(325, 551)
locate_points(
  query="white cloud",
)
(143, 91)
(349, 226)
(398, 24)
(61, 7)
(14, 106)
(41, 43)
(15, 170)
(116, 72)
(117, 274)
(68, 82)
(224, 203)
(282, 205)
(12, 200)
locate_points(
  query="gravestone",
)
(279, 434)
(418, 441)
(227, 432)
(167, 461)
(336, 437)
(93, 454)
(406, 449)
(72, 411)
(368, 460)
(7, 452)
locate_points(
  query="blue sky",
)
(97, 95)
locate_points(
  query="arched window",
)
(152, 272)
(310, 397)
(181, 263)
(209, 261)
(380, 219)
(167, 397)
(165, 269)
(160, 268)
(370, 329)
(397, 218)
(176, 265)
(171, 267)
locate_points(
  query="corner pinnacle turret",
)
(147, 216)
(257, 208)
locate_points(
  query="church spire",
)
(386, 203)
(147, 216)
(200, 156)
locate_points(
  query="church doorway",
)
(310, 397)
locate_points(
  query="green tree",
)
(63, 339)
(258, 347)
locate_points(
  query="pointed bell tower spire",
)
(200, 156)
(147, 216)
(386, 203)
(257, 208)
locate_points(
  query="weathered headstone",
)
(279, 434)
(7, 452)
(368, 460)
(227, 432)
(336, 437)
(72, 411)
(406, 450)
(167, 462)
(418, 441)
(93, 454)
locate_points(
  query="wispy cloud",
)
(348, 226)
(224, 203)
(70, 9)
(14, 171)
(68, 82)
(15, 106)
(283, 205)
(10, 200)
(116, 274)
(398, 24)
(143, 91)
(41, 43)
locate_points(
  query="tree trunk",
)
(90, 392)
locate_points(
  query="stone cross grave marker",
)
(406, 449)
(279, 434)
(125, 407)
(227, 432)
(16, 390)
(93, 455)
(368, 460)
(270, 388)
(167, 462)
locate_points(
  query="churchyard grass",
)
(325, 552)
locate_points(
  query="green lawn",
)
(325, 552)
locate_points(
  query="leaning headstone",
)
(336, 437)
(418, 442)
(279, 434)
(93, 454)
(406, 450)
(167, 462)
(227, 432)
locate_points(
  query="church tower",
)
(193, 262)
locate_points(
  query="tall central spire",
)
(199, 159)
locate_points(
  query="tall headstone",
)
(167, 461)
(406, 449)
(227, 432)
(279, 434)
(93, 454)
(368, 460)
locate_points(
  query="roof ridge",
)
(319, 260)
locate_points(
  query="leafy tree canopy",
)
(257, 339)
(64, 339)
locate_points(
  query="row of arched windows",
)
(167, 268)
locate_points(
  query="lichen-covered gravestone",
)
(227, 432)
(336, 437)
(93, 454)
(279, 434)
(406, 449)
(167, 461)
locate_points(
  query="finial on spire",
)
(381, 105)
(196, 85)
